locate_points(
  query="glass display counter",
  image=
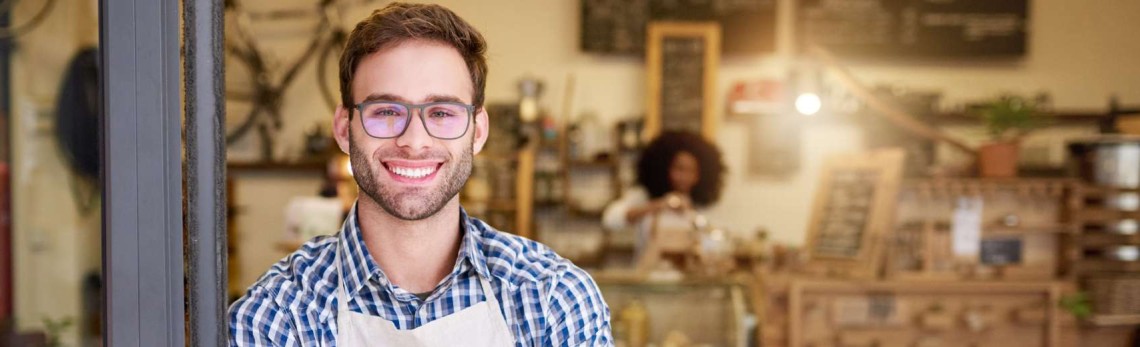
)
(688, 312)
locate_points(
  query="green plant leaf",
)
(1010, 117)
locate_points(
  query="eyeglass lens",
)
(442, 120)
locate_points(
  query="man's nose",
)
(415, 136)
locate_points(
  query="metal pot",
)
(1128, 201)
(1123, 253)
(1108, 160)
(1123, 227)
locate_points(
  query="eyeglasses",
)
(389, 119)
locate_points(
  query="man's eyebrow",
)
(384, 97)
(443, 98)
(397, 98)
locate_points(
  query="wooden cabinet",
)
(896, 313)
(1025, 232)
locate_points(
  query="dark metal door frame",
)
(205, 170)
(143, 263)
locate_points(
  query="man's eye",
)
(441, 114)
(386, 112)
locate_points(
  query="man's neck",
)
(415, 255)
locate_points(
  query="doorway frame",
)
(158, 287)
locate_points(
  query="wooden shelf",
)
(318, 167)
(630, 278)
(1059, 117)
(597, 164)
(947, 186)
(498, 157)
(998, 230)
(547, 204)
(502, 205)
(1010, 181)
(1105, 265)
(1112, 320)
(1097, 191)
(1101, 214)
(1018, 231)
(1100, 239)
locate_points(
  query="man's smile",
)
(412, 171)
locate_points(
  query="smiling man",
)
(409, 267)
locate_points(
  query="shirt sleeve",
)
(577, 310)
(613, 218)
(256, 320)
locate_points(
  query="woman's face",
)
(684, 172)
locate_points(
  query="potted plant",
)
(1007, 120)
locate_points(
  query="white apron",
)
(481, 324)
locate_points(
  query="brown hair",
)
(399, 22)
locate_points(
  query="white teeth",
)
(412, 172)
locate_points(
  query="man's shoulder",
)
(300, 274)
(521, 260)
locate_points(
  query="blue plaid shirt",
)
(546, 300)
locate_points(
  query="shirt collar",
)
(359, 267)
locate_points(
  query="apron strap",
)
(341, 296)
(486, 284)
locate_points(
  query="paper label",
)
(966, 228)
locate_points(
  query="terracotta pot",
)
(998, 159)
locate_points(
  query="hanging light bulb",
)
(808, 104)
(807, 82)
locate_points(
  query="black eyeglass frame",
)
(419, 109)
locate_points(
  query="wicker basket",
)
(1113, 295)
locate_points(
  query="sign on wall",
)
(682, 61)
(619, 26)
(915, 28)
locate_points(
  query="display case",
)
(691, 312)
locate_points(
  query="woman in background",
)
(679, 175)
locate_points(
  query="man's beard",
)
(416, 203)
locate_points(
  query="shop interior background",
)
(1080, 53)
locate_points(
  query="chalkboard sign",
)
(915, 28)
(1001, 251)
(682, 60)
(614, 26)
(853, 210)
(848, 209)
(619, 26)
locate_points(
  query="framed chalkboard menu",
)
(853, 211)
(619, 26)
(915, 29)
(681, 59)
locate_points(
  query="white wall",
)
(54, 244)
(261, 199)
(1080, 51)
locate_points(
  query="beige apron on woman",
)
(479, 325)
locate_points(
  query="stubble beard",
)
(416, 203)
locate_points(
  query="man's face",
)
(414, 175)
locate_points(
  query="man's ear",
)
(341, 126)
(482, 130)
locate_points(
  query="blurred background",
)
(895, 173)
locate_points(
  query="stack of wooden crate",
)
(1108, 251)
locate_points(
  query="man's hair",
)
(653, 166)
(399, 22)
